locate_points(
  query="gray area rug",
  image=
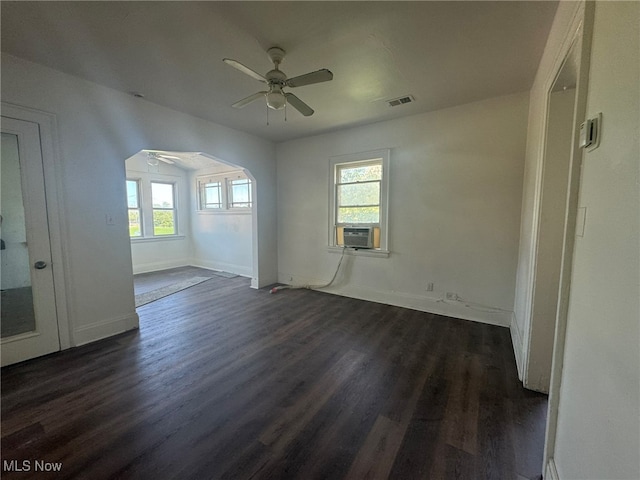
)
(158, 293)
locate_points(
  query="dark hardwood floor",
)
(222, 381)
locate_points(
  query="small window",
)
(359, 193)
(164, 213)
(224, 192)
(135, 212)
(240, 193)
(210, 195)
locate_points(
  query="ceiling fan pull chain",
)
(267, 116)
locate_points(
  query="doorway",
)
(29, 315)
(555, 189)
(213, 213)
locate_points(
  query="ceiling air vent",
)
(400, 101)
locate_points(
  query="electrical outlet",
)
(452, 296)
(430, 287)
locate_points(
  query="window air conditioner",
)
(358, 237)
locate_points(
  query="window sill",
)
(159, 238)
(244, 211)
(364, 252)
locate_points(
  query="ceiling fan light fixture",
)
(276, 99)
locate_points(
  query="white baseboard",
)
(218, 266)
(551, 472)
(104, 328)
(157, 266)
(516, 340)
(435, 304)
(241, 270)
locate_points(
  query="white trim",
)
(222, 211)
(223, 267)
(19, 337)
(105, 328)
(433, 304)
(58, 226)
(438, 306)
(157, 238)
(157, 266)
(516, 340)
(579, 30)
(551, 472)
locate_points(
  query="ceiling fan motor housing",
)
(276, 55)
(276, 76)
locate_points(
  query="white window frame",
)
(230, 202)
(361, 158)
(202, 183)
(173, 209)
(226, 194)
(137, 181)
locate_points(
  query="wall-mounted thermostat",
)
(590, 133)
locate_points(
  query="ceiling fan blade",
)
(323, 75)
(244, 69)
(299, 105)
(251, 98)
(161, 157)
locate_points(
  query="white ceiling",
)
(442, 53)
(184, 160)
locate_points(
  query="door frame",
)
(52, 170)
(580, 35)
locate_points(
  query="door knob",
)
(39, 265)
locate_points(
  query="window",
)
(359, 193)
(224, 192)
(164, 213)
(211, 195)
(240, 193)
(133, 203)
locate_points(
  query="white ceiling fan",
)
(154, 156)
(276, 80)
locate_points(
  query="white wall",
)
(97, 129)
(221, 240)
(454, 209)
(599, 414)
(151, 254)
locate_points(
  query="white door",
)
(28, 318)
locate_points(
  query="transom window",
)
(240, 193)
(211, 195)
(224, 192)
